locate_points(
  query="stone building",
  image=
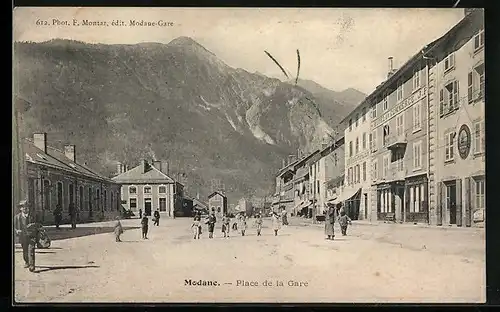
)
(217, 202)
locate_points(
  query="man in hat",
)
(27, 238)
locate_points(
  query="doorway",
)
(451, 199)
(147, 207)
(163, 204)
(365, 200)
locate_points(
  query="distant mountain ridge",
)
(176, 102)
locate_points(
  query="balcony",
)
(397, 175)
(396, 142)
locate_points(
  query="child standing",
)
(118, 229)
(144, 225)
(243, 224)
(196, 227)
(344, 220)
(225, 225)
(276, 223)
(258, 224)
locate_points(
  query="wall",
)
(155, 203)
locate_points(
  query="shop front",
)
(416, 199)
(352, 203)
(390, 201)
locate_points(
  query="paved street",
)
(374, 263)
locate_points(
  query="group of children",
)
(240, 224)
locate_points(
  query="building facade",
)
(357, 195)
(147, 187)
(54, 177)
(217, 202)
(457, 115)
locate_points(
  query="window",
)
(112, 201)
(364, 171)
(416, 196)
(416, 80)
(98, 196)
(449, 62)
(479, 193)
(133, 203)
(417, 116)
(375, 172)
(364, 140)
(449, 98)
(370, 141)
(400, 124)
(386, 134)
(80, 197)
(479, 137)
(374, 111)
(71, 194)
(162, 189)
(357, 146)
(90, 199)
(350, 124)
(475, 84)
(385, 168)
(357, 118)
(132, 190)
(399, 92)
(448, 145)
(317, 186)
(358, 174)
(218, 209)
(385, 104)
(374, 138)
(417, 155)
(350, 149)
(479, 41)
(147, 190)
(363, 113)
(348, 177)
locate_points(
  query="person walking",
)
(144, 225)
(284, 217)
(118, 229)
(211, 224)
(27, 234)
(258, 224)
(196, 226)
(344, 220)
(72, 214)
(329, 223)
(156, 216)
(58, 215)
(225, 225)
(276, 223)
(243, 224)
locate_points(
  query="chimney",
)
(119, 168)
(165, 168)
(69, 152)
(144, 165)
(40, 140)
(156, 164)
(391, 66)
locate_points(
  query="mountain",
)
(176, 102)
(334, 106)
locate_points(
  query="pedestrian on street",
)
(258, 224)
(196, 226)
(284, 217)
(226, 221)
(211, 224)
(156, 218)
(276, 223)
(58, 215)
(243, 224)
(344, 220)
(118, 229)
(144, 224)
(72, 214)
(140, 213)
(27, 234)
(330, 223)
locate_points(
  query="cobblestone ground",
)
(374, 263)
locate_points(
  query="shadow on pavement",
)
(38, 251)
(65, 233)
(41, 269)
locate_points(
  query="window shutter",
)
(456, 98)
(470, 87)
(452, 60)
(441, 102)
(459, 202)
(468, 215)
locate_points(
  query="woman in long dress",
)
(118, 229)
(329, 223)
(276, 223)
(243, 224)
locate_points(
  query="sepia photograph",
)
(248, 155)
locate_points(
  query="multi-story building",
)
(55, 177)
(147, 187)
(217, 202)
(457, 143)
(283, 197)
(327, 165)
(357, 187)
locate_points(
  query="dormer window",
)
(479, 41)
(449, 62)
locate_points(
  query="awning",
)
(351, 195)
(347, 195)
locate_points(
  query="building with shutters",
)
(147, 187)
(457, 143)
(56, 177)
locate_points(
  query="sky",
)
(340, 48)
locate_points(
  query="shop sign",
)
(464, 141)
(478, 215)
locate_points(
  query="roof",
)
(56, 159)
(137, 176)
(198, 202)
(216, 192)
(412, 61)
